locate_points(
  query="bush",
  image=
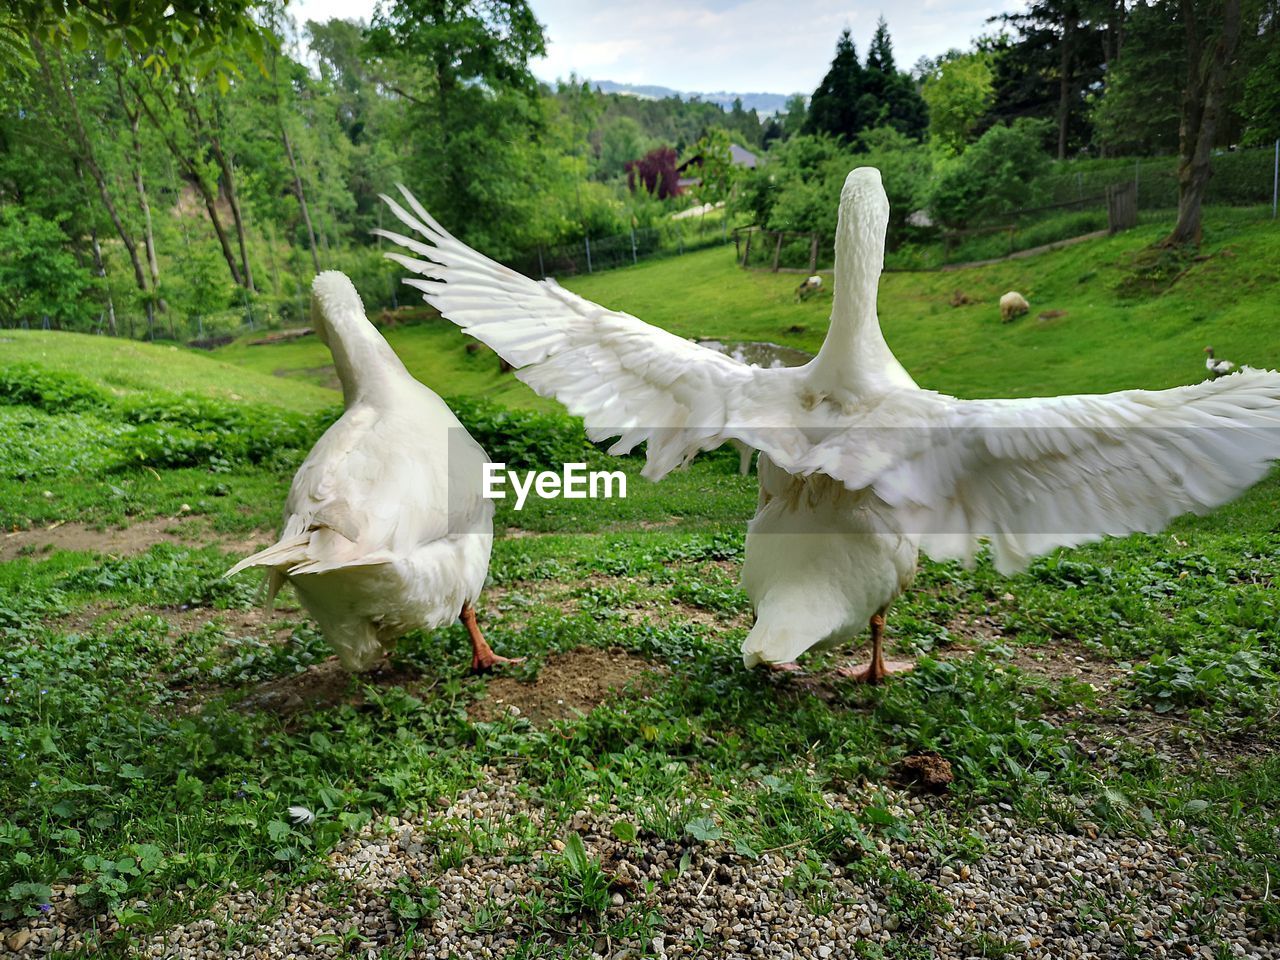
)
(993, 176)
(522, 439)
(25, 384)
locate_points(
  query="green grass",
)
(137, 759)
(127, 367)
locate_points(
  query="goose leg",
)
(879, 668)
(483, 659)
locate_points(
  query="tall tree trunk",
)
(233, 201)
(187, 162)
(148, 235)
(302, 197)
(1066, 81)
(101, 269)
(1201, 106)
(90, 161)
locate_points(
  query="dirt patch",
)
(1063, 661)
(137, 537)
(325, 375)
(926, 771)
(568, 684)
(321, 685)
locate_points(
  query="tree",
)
(893, 100)
(958, 92)
(39, 278)
(462, 69)
(656, 172)
(715, 166)
(1211, 30)
(837, 106)
(795, 114)
(1260, 103)
(623, 140)
(995, 175)
(1050, 66)
(1138, 110)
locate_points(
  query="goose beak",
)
(863, 201)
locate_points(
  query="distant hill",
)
(763, 103)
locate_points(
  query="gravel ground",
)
(1033, 891)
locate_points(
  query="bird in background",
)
(1218, 368)
(385, 529)
(859, 468)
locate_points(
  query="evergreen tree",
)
(838, 105)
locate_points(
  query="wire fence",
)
(593, 254)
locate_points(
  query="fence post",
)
(1275, 181)
(777, 252)
(542, 270)
(746, 250)
(813, 253)
(587, 240)
(633, 247)
(1137, 163)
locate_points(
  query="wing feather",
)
(1031, 475)
(625, 378)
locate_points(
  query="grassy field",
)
(155, 727)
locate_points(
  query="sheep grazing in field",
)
(809, 287)
(1013, 304)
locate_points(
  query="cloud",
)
(778, 46)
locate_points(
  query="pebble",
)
(1038, 892)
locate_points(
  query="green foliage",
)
(716, 169)
(155, 430)
(522, 439)
(958, 93)
(796, 190)
(55, 391)
(39, 278)
(995, 175)
(1139, 109)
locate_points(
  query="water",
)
(758, 353)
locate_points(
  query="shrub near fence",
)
(1241, 178)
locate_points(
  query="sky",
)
(771, 46)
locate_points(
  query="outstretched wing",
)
(1032, 475)
(625, 378)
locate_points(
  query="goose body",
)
(385, 530)
(1216, 367)
(860, 467)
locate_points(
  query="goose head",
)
(1209, 351)
(860, 230)
(333, 300)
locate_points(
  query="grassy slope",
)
(1104, 342)
(129, 366)
(434, 350)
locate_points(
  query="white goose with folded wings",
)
(860, 468)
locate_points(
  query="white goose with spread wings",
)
(859, 466)
(385, 529)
